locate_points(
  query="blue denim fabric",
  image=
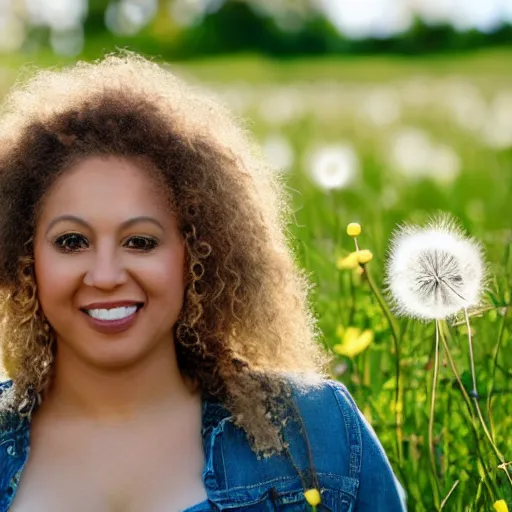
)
(353, 472)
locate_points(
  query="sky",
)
(360, 18)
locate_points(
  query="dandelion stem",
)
(470, 342)
(477, 405)
(396, 340)
(494, 366)
(498, 454)
(433, 464)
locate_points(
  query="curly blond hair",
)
(246, 321)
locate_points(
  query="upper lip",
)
(111, 305)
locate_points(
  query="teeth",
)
(112, 314)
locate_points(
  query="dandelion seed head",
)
(434, 272)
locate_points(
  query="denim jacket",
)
(352, 470)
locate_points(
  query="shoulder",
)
(343, 442)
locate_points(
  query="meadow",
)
(382, 141)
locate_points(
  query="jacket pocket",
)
(333, 500)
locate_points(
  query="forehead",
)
(111, 186)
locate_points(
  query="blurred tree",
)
(274, 27)
(94, 23)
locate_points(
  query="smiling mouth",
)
(112, 314)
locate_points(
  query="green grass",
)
(481, 197)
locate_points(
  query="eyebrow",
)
(124, 225)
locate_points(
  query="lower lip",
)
(112, 326)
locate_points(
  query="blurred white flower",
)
(381, 106)
(128, 17)
(435, 271)
(497, 131)
(410, 151)
(334, 167)
(238, 97)
(416, 156)
(281, 106)
(444, 164)
(464, 102)
(68, 42)
(187, 12)
(389, 197)
(416, 92)
(278, 151)
(57, 14)
(12, 32)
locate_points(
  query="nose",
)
(106, 270)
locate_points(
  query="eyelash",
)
(150, 243)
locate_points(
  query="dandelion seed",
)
(434, 272)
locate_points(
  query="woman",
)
(156, 332)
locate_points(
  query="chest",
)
(112, 470)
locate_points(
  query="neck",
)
(80, 389)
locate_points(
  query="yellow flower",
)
(364, 256)
(500, 506)
(354, 229)
(313, 497)
(354, 259)
(353, 341)
(349, 262)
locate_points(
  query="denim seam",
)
(352, 429)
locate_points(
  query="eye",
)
(71, 242)
(142, 243)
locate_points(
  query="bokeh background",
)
(374, 111)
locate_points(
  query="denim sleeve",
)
(379, 489)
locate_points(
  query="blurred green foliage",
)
(243, 26)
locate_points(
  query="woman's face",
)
(109, 263)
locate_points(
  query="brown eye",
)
(142, 243)
(71, 242)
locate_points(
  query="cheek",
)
(55, 279)
(165, 276)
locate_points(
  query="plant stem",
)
(498, 454)
(396, 339)
(472, 360)
(501, 332)
(436, 488)
(443, 503)
(477, 405)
